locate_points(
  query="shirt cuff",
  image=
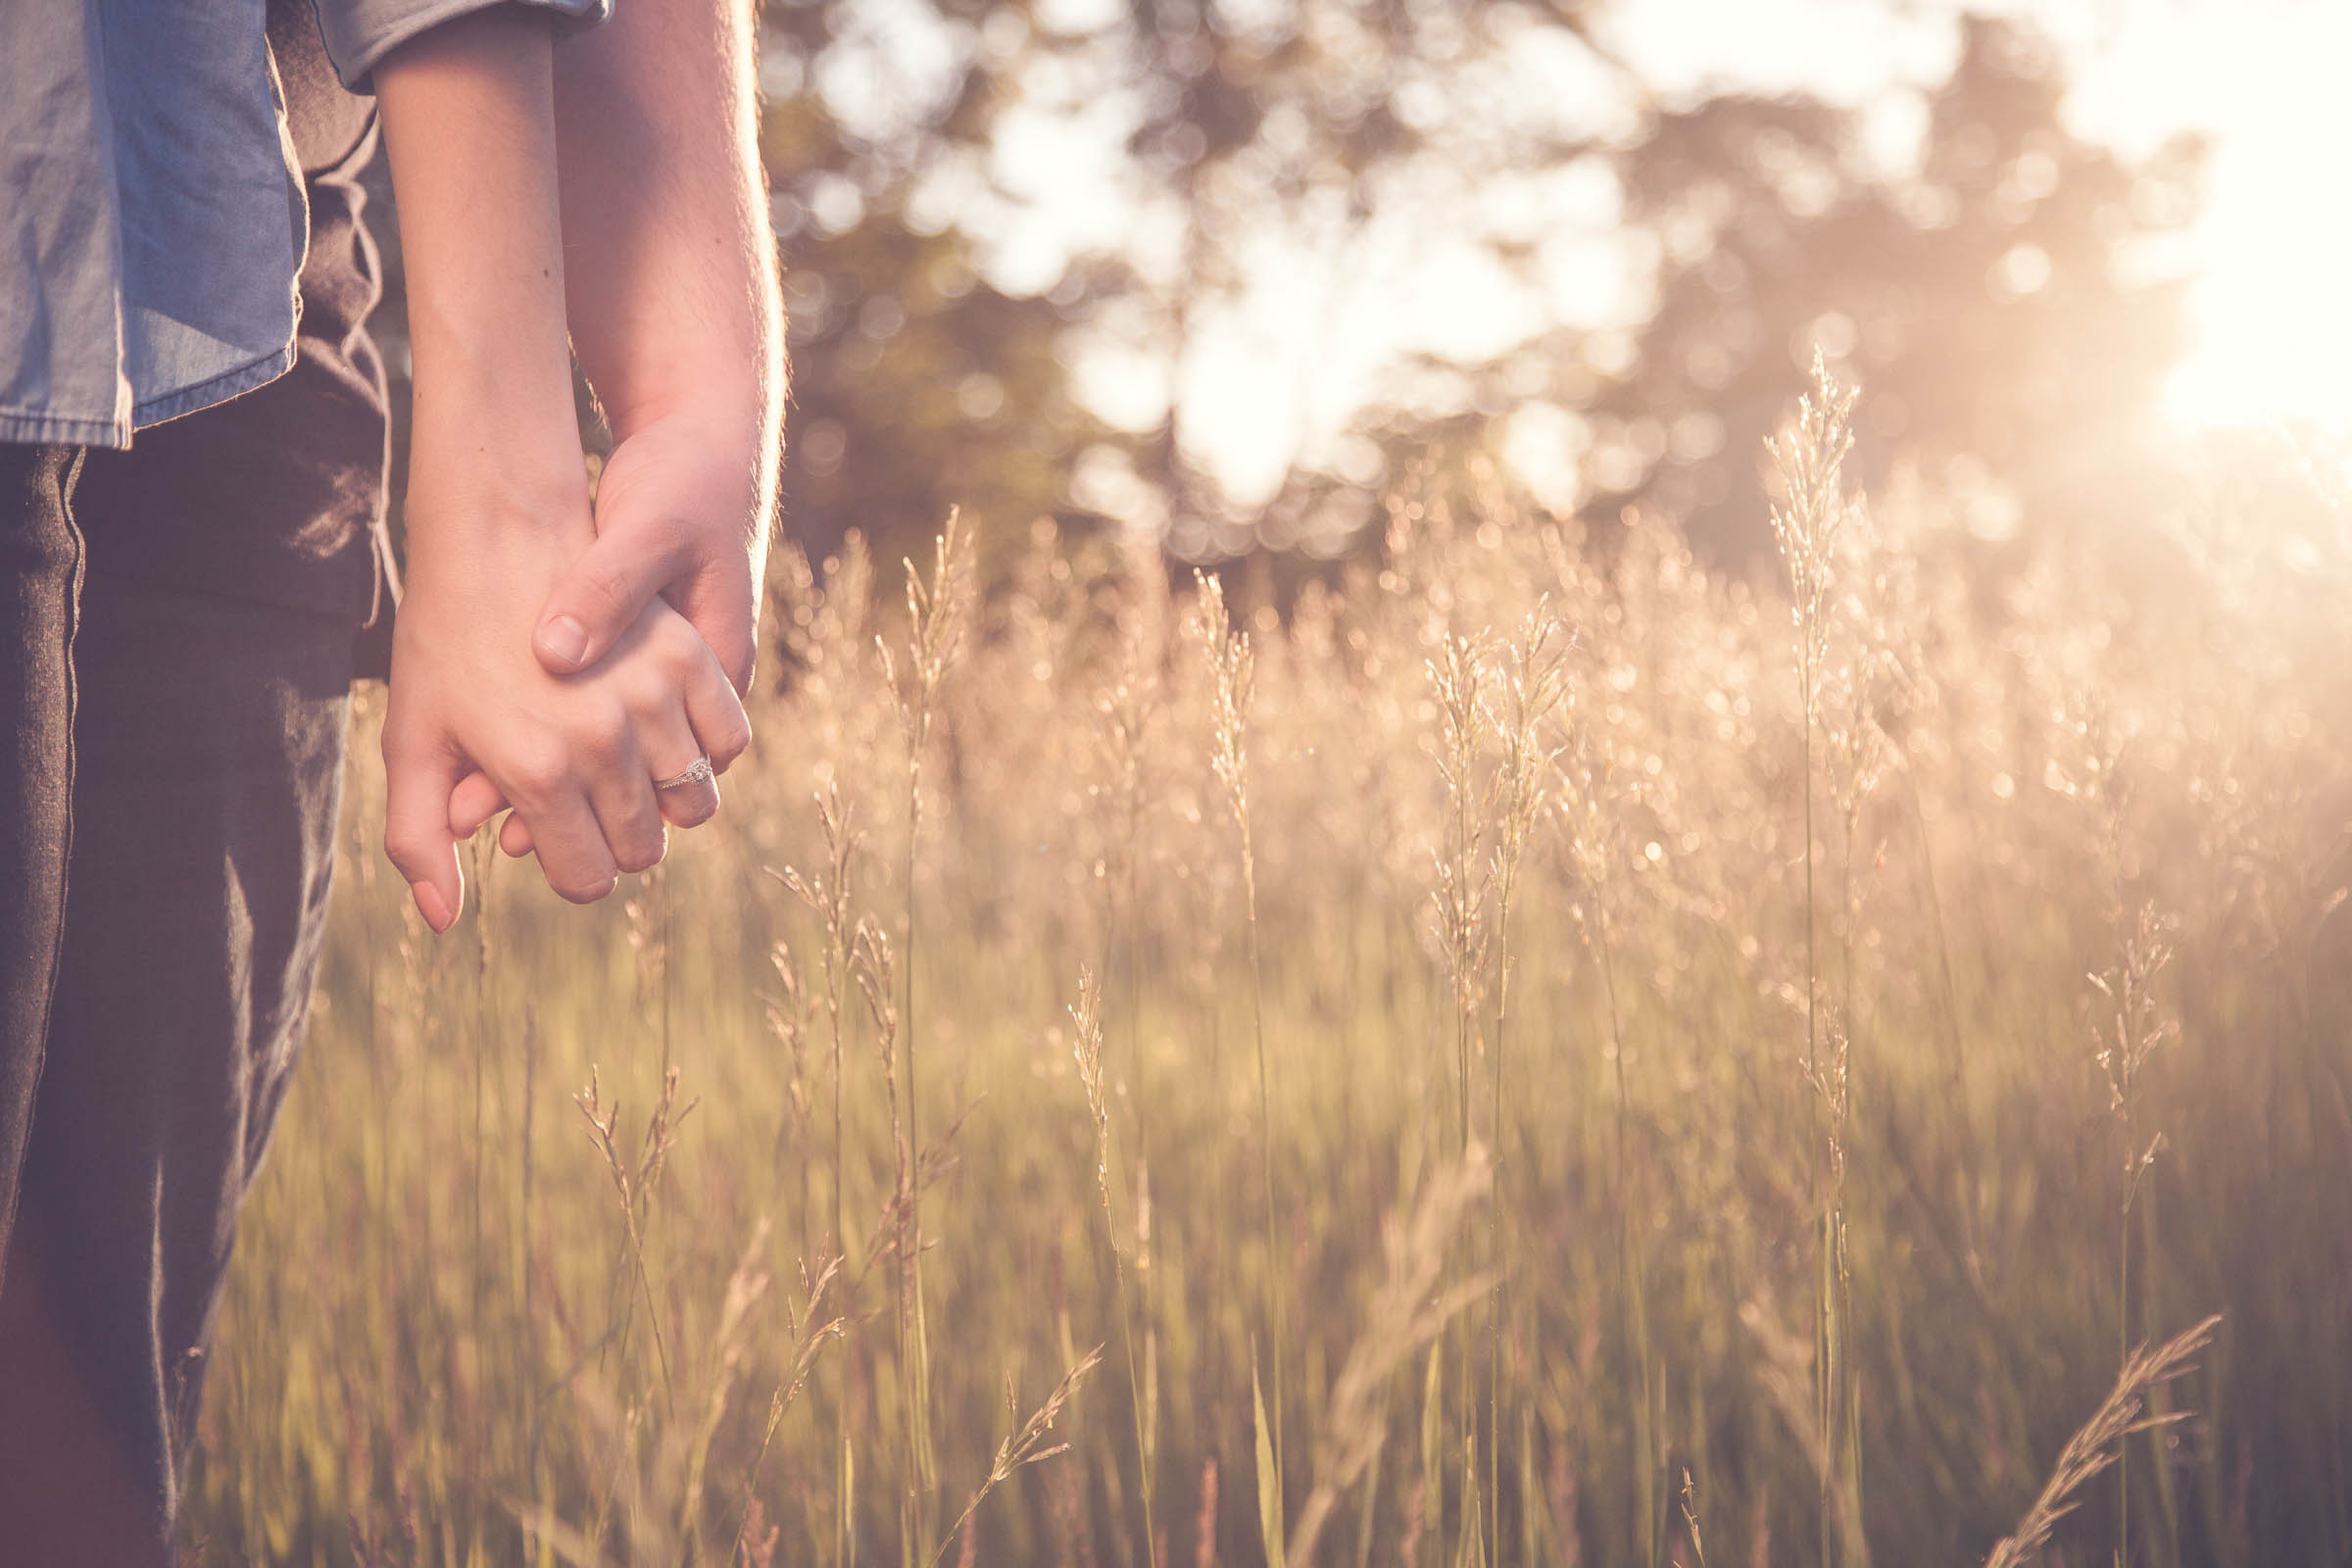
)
(359, 32)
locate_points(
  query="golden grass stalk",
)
(1586, 797)
(2099, 1441)
(1699, 1546)
(936, 612)
(875, 968)
(1520, 696)
(1456, 680)
(1805, 523)
(1456, 683)
(827, 897)
(1792, 1379)
(634, 1181)
(1086, 1014)
(810, 1333)
(2126, 1037)
(1124, 712)
(1229, 669)
(746, 1288)
(1409, 1311)
(1025, 1445)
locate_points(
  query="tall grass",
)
(936, 612)
(1229, 666)
(1663, 1083)
(1809, 524)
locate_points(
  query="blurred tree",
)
(1977, 295)
(920, 384)
(1987, 301)
(916, 385)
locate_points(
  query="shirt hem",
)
(217, 389)
(38, 428)
(31, 427)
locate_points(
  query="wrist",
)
(730, 438)
(492, 479)
(490, 351)
(718, 395)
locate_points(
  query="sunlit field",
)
(1538, 1052)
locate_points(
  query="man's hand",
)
(679, 514)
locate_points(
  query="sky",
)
(1272, 377)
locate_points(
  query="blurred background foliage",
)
(1979, 284)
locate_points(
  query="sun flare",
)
(2271, 305)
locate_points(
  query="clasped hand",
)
(478, 722)
(545, 660)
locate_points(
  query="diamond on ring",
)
(696, 772)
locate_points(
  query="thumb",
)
(603, 593)
(418, 774)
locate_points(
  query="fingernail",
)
(565, 638)
(430, 905)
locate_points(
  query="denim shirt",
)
(151, 224)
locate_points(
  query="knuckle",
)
(643, 849)
(403, 858)
(605, 735)
(647, 693)
(678, 647)
(540, 772)
(739, 659)
(732, 740)
(695, 811)
(575, 888)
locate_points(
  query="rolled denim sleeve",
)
(361, 32)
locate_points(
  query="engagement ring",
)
(697, 773)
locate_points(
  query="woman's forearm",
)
(469, 117)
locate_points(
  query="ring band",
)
(696, 772)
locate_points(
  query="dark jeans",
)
(175, 656)
(40, 592)
(172, 801)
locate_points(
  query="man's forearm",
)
(674, 301)
(676, 319)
